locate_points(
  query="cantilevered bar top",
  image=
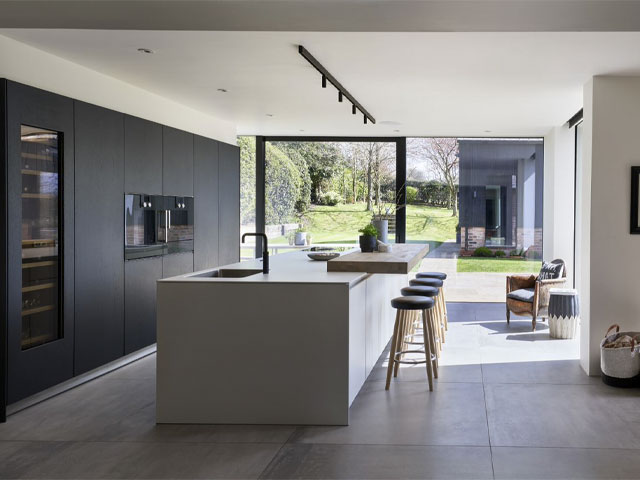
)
(401, 259)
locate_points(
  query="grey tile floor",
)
(509, 403)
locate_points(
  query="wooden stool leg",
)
(432, 316)
(427, 348)
(439, 314)
(446, 312)
(402, 332)
(435, 320)
(392, 353)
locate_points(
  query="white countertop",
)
(292, 267)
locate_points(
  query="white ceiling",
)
(460, 84)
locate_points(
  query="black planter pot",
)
(368, 243)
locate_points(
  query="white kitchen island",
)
(236, 346)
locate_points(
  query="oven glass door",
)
(143, 214)
(179, 224)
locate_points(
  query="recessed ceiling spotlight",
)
(301, 130)
(396, 130)
(487, 131)
(223, 90)
(269, 114)
(146, 50)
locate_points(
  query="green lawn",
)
(340, 224)
(472, 264)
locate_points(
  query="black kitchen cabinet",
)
(229, 204)
(142, 156)
(99, 230)
(39, 239)
(205, 187)
(140, 302)
(177, 264)
(177, 162)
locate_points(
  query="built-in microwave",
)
(157, 225)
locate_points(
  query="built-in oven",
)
(157, 225)
(176, 228)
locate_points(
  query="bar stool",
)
(430, 292)
(403, 306)
(439, 307)
(440, 276)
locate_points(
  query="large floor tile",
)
(70, 460)
(582, 416)
(552, 371)
(565, 463)
(408, 414)
(418, 373)
(142, 427)
(379, 462)
(81, 414)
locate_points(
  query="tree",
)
(377, 161)
(442, 153)
(247, 180)
(324, 161)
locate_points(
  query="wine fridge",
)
(40, 240)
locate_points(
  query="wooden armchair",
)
(529, 295)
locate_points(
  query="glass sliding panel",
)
(40, 157)
(323, 193)
(247, 195)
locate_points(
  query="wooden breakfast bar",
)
(294, 346)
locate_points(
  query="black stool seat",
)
(412, 303)
(438, 275)
(427, 282)
(420, 291)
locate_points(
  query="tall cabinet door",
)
(143, 174)
(143, 156)
(99, 296)
(229, 202)
(40, 240)
(205, 192)
(177, 162)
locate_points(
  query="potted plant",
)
(385, 209)
(369, 238)
(301, 236)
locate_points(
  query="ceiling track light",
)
(342, 92)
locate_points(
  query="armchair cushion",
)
(522, 295)
(550, 271)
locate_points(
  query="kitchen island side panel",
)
(253, 353)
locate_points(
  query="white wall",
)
(25, 64)
(558, 204)
(609, 255)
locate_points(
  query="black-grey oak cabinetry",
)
(37, 175)
(99, 230)
(140, 302)
(205, 189)
(69, 302)
(229, 201)
(177, 264)
(143, 156)
(177, 162)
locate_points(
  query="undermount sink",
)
(230, 273)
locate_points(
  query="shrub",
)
(482, 252)
(369, 231)
(515, 253)
(500, 253)
(330, 198)
(412, 194)
(282, 187)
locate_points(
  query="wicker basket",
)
(620, 363)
